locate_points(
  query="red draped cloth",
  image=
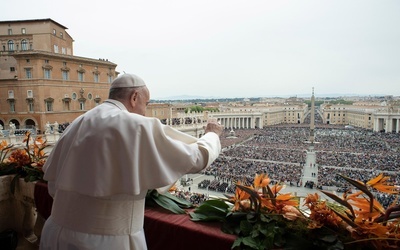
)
(173, 231)
(43, 200)
(163, 229)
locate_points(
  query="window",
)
(47, 74)
(28, 60)
(54, 32)
(29, 93)
(61, 35)
(80, 76)
(55, 48)
(90, 96)
(12, 105)
(10, 45)
(24, 44)
(10, 32)
(73, 96)
(11, 94)
(110, 79)
(96, 77)
(63, 51)
(23, 31)
(66, 105)
(46, 61)
(30, 106)
(49, 104)
(12, 69)
(82, 105)
(65, 75)
(28, 73)
(66, 102)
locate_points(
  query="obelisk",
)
(310, 168)
(312, 125)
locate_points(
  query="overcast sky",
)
(232, 48)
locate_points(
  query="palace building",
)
(41, 80)
(378, 117)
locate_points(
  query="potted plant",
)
(263, 218)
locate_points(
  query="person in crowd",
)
(106, 160)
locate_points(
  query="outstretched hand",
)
(214, 126)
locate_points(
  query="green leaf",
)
(213, 207)
(203, 217)
(211, 210)
(251, 242)
(237, 216)
(217, 203)
(7, 169)
(152, 193)
(237, 243)
(255, 232)
(168, 204)
(329, 238)
(246, 227)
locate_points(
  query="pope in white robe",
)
(101, 168)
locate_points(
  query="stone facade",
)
(378, 117)
(41, 80)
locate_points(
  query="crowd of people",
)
(280, 151)
(194, 198)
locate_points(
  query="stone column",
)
(388, 127)
(376, 124)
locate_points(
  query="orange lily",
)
(261, 181)
(20, 157)
(281, 201)
(240, 195)
(380, 183)
(276, 188)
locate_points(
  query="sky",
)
(236, 48)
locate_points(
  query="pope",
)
(101, 168)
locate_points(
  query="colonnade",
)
(389, 124)
(237, 122)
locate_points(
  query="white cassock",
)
(101, 169)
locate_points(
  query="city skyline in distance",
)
(304, 96)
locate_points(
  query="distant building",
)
(376, 116)
(41, 80)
